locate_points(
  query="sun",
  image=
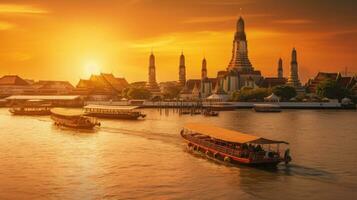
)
(91, 68)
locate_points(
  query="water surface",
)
(146, 159)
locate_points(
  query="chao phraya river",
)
(146, 159)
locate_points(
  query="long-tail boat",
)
(73, 118)
(115, 112)
(233, 146)
(31, 107)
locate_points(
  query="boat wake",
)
(163, 137)
(281, 169)
(307, 172)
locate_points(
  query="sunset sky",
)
(68, 40)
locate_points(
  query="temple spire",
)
(293, 56)
(280, 68)
(240, 25)
(240, 60)
(294, 71)
(152, 70)
(152, 60)
(182, 70)
(204, 69)
(152, 85)
(182, 59)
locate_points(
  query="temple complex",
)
(240, 72)
(240, 61)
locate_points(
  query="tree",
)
(234, 96)
(332, 90)
(249, 94)
(285, 92)
(172, 91)
(139, 93)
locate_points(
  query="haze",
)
(69, 40)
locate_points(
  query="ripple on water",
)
(147, 160)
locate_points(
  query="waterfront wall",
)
(297, 105)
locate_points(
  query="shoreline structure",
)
(232, 105)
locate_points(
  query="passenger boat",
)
(73, 118)
(266, 108)
(233, 146)
(115, 112)
(31, 107)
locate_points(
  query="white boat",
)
(114, 112)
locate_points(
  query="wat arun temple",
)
(239, 73)
(240, 60)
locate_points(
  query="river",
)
(146, 159)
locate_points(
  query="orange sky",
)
(66, 40)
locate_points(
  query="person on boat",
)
(287, 157)
(258, 148)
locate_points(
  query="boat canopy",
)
(68, 112)
(228, 135)
(106, 107)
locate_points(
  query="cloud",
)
(294, 21)
(153, 43)
(215, 19)
(20, 9)
(195, 20)
(175, 41)
(227, 2)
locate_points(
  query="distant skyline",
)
(69, 40)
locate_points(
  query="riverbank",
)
(232, 105)
(221, 105)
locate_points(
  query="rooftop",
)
(42, 97)
(13, 80)
(228, 135)
(69, 112)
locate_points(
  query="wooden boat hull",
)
(213, 153)
(70, 124)
(19, 112)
